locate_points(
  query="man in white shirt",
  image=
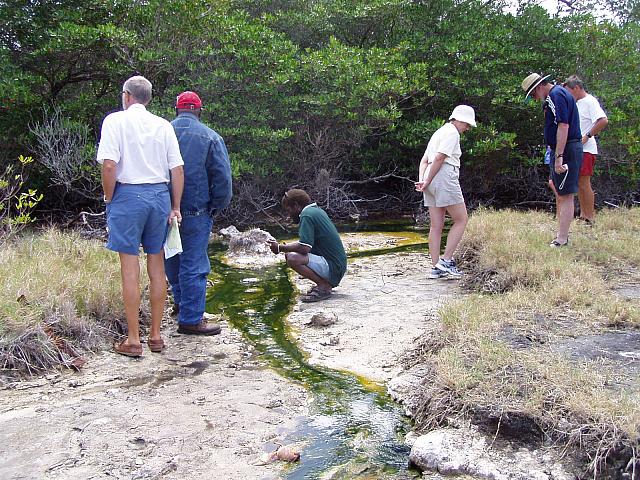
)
(440, 183)
(140, 155)
(592, 121)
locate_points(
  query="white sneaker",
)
(449, 267)
(437, 273)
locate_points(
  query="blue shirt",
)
(207, 170)
(560, 107)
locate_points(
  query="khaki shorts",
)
(444, 190)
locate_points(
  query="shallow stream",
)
(353, 428)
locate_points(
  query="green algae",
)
(352, 420)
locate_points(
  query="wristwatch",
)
(589, 135)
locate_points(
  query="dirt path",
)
(208, 404)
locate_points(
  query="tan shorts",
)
(444, 190)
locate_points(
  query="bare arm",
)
(433, 171)
(561, 142)
(177, 187)
(296, 247)
(108, 179)
(596, 128)
(600, 125)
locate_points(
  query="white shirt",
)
(445, 140)
(143, 145)
(590, 112)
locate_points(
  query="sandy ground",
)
(206, 407)
(203, 406)
(381, 306)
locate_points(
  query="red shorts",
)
(588, 161)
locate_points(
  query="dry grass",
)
(59, 295)
(497, 355)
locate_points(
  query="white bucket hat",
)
(531, 82)
(464, 113)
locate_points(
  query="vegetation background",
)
(336, 96)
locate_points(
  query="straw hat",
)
(531, 82)
(464, 113)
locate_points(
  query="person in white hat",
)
(439, 181)
(562, 135)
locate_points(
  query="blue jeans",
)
(187, 273)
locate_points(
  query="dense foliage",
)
(327, 94)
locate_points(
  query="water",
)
(352, 420)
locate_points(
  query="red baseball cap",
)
(188, 100)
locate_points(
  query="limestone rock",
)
(322, 319)
(250, 248)
(465, 451)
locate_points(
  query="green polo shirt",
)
(317, 231)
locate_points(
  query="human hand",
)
(175, 214)
(561, 168)
(274, 246)
(584, 139)
(421, 186)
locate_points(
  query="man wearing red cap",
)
(207, 190)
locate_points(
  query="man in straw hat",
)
(440, 183)
(562, 135)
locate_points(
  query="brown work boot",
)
(202, 328)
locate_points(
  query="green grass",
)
(59, 294)
(523, 289)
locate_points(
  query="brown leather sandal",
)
(123, 348)
(156, 346)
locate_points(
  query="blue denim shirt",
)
(207, 171)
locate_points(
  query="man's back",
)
(318, 231)
(206, 165)
(590, 112)
(142, 144)
(560, 107)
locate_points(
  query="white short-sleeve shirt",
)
(445, 140)
(590, 112)
(143, 145)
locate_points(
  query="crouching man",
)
(319, 254)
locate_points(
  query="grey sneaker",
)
(436, 274)
(449, 267)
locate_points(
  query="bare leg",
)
(565, 217)
(157, 291)
(299, 262)
(555, 193)
(130, 273)
(436, 224)
(586, 198)
(459, 216)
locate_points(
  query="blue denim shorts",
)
(319, 265)
(567, 183)
(138, 214)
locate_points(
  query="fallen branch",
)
(374, 179)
